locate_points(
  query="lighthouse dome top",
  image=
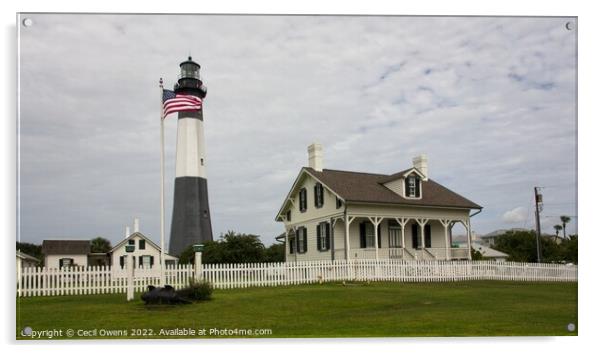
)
(190, 62)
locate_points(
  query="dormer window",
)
(412, 188)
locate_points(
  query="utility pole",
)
(538, 204)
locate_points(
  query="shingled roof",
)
(367, 187)
(66, 247)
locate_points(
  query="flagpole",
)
(162, 274)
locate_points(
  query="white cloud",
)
(515, 215)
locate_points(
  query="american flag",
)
(173, 102)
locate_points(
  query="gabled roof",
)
(489, 252)
(148, 241)
(66, 247)
(25, 256)
(369, 188)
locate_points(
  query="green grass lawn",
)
(480, 308)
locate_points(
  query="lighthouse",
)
(191, 219)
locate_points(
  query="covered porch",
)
(358, 236)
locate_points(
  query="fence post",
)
(198, 261)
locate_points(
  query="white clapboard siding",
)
(37, 281)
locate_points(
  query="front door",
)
(394, 236)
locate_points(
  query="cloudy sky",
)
(491, 101)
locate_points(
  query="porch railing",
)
(427, 254)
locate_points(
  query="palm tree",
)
(564, 220)
(557, 228)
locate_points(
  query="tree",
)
(100, 244)
(564, 220)
(558, 228)
(570, 249)
(521, 247)
(34, 250)
(275, 253)
(231, 248)
(476, 254)
(186, 256)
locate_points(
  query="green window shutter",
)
(318, 235)
(297, 242)
(140, 261)
(316, 195)
(328, 226)
(304, 239)
(418, 187)
(362, 235)
(60, 263)
(427, 235)
(152, 261)
(415, 236)
(291, 245)
(121, 261)
(380, 244)
(407, 187)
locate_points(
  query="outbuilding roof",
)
(66, 247)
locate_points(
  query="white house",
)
(65, 253)
(24, 260)
(335, 214)
(146, 253)
(489, 253)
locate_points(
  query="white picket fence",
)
(100, 279)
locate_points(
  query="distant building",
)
(489, 238)
(66, 253)
(24, 260)
(146, 253)
(489, 253)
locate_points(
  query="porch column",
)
(469, 238)
(402, 222)
(422, 222)
(348, 220)
(375, 222)
(445, 223)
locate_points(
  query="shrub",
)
(197, 290)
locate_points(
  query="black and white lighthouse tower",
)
(191, 219)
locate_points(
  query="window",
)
(145, 261)
(412, 188)
(301, 240)
(412, 183)
(303, 200)
(65, 262)
(394, 235)
(141, 244)
(318, 195)
(323, 236)
(131, 242)
(339, 203)
(367, 239)
(291, 244)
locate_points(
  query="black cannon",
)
(163, 295)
